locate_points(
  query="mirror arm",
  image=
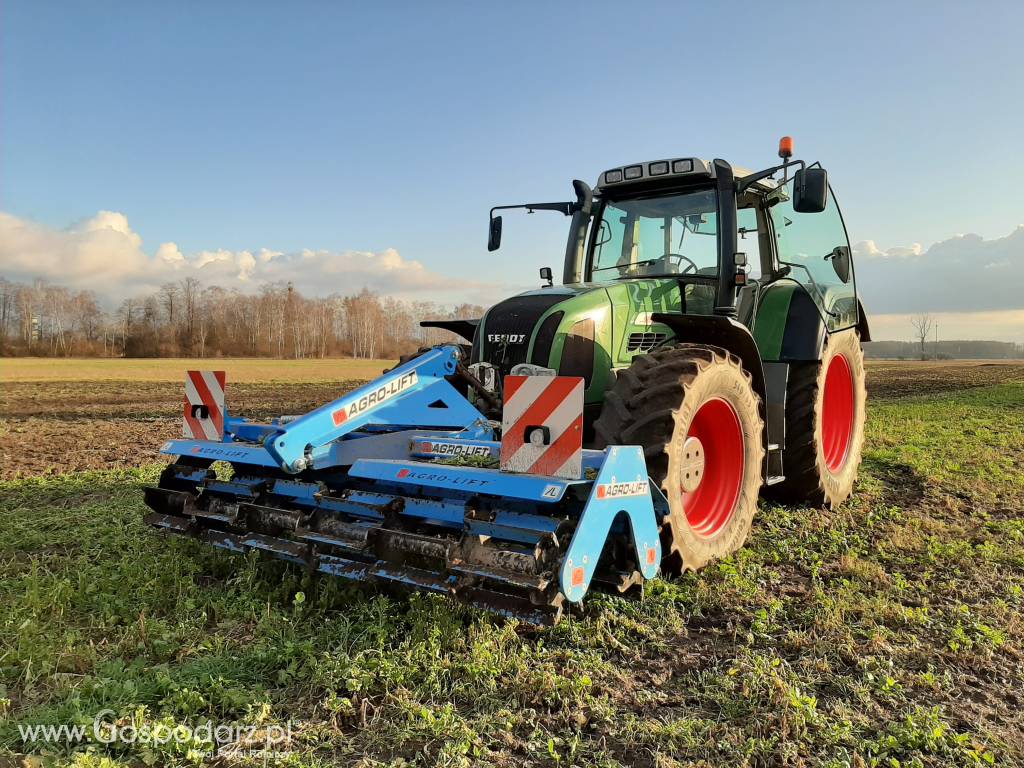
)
(564, 208)
(746, 181)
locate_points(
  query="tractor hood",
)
(507, 328)
(579, 329)
(510, 325)
(567, 328)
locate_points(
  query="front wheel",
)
(825, 411)
(693, 410)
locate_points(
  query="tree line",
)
(951, 349)
(187, 319)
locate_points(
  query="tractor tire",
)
(825, 410)
(695, 413)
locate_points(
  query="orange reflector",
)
(652, 555)
(577, 577)
(786, 147)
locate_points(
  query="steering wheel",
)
(689, 262)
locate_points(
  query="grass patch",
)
(883, 633)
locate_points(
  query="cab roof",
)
(675, 169)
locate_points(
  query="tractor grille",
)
(508, 327)
(644, 342)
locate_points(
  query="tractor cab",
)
(724, 244)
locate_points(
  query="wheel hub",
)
(691, 467)
(717, 467)
(837, 413)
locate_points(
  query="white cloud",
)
(169, 253)
(105, 254)
(965, 273)
(866, 249)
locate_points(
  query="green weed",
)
(886, 632)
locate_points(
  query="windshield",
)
(667, 235)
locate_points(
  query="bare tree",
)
(126, 315)
(26, 298)
(56, 301)
(8, 294)
(169, 294)
(87, 318)
(364, 321)
(190, 310)
(923, 324)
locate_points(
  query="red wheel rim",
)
(710, 507)
(837, 413)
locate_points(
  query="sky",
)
(348, 145)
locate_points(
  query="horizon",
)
(341, 148)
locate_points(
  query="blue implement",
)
(621, 488)
(398, 483)
(414, 395)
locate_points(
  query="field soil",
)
(896, 378)
(238, 369)
(117, 413)
(106, 414)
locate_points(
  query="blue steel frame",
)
(622, 488)
(393, 426)
(414, 395)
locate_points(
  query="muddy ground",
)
(67, 426)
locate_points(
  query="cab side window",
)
(806, 244)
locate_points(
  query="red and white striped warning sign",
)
(542, 426)
(204, 405)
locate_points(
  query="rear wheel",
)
(825, 410)
(693, 410)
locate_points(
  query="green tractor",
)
(713, 315)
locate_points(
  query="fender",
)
(787, 324)
(805, 333)
(862, 322)
(788, 327)
(720, 331)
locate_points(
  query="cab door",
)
(811, 248)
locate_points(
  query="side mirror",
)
(545, 274)
(810, 190)
(840, 258)
(494, 235)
